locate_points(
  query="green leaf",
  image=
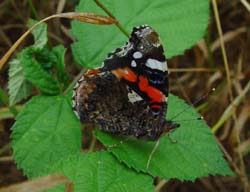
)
(36, 74)
(195, 154)
(99, 171)
(180, 25)
(59, 64)
(19, 88)
(45, 131)
(39, 33)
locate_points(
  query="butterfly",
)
(128, 94)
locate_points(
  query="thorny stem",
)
(111, 15)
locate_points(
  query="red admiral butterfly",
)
(128, 94)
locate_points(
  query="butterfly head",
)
(144, 38)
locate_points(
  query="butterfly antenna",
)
(201, 98)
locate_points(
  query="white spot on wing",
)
(155, 64)
(133, 63)
(133, 96)
(137, 55)
(76, 114)
(73, 103)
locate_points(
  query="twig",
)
(84, 17)
(6, 159)
(192, 70)
(40, 184)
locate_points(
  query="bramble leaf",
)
(59, 64)
(36, 73)
(19, 88)
(180, 25)
(45, 131)
(195, 154)
(39, 33)
(99, 171)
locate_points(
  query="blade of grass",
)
(181, 70)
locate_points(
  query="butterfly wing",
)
(142, 64)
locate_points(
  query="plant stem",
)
(111, 15)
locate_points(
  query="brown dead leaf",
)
(40, 184)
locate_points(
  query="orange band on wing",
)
(143, 84)
(92, 72)
(125, 73)
(153, 93)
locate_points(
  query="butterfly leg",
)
(152, 153)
